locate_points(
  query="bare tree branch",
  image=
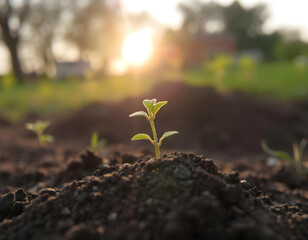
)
(24, 12)
(11, 36)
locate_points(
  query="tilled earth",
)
(62, 191)
(180, 196)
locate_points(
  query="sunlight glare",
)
(137, 47)
(118, 66)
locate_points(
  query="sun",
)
(137, 47)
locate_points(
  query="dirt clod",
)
(182, 173)
(245, 185)
(20, 195)
(6, 204)
(90, 160)
(48, 191)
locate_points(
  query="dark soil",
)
(63, 191)
(234, 122)
(4, 122)
(181, 196)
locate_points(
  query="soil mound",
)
(210, 120)
(181, 196)
(4, 122)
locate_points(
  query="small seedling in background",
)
(296, 161)
(96, 143)
(152, 108)
(219, 65)
(39, 127)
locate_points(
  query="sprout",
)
(296, 161)
(39, 127)
(96, 143)
(152, 108)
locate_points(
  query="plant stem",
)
(40, 139)
(297, 159)
(155, 138)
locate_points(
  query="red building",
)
(202, 47)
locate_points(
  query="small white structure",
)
(72, 69)
(255, 54)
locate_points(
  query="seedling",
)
(96, 143)
(296, 161)
(152, 108)
(38, 128)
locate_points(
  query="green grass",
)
(48, 97)
(280, 81)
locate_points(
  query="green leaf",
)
(142, 136)
(149, 103)
(38, 127)
(140, 113)
(94, 140)
(278, 154)
(158, 106)
(29, 126)
(47, 139)
(96, 143)
(167, 134)
(41, 125)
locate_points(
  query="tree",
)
(244, 23)
(43, 23)
(94, 30)
(198, 14)
(266, 43)
(289, 50)
(12, 18)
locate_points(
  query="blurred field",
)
(281, 81)
(49, 96)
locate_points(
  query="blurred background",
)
(53, 51)
(234, 72)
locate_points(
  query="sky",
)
(282, 13)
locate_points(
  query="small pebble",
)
(245, 185)
(20, 195)
(267, 200)
(6, 201)
(112, 216)
(66, 212)
(6, 204)
(182, 173)
(48, 191)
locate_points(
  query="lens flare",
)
(137, 47)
